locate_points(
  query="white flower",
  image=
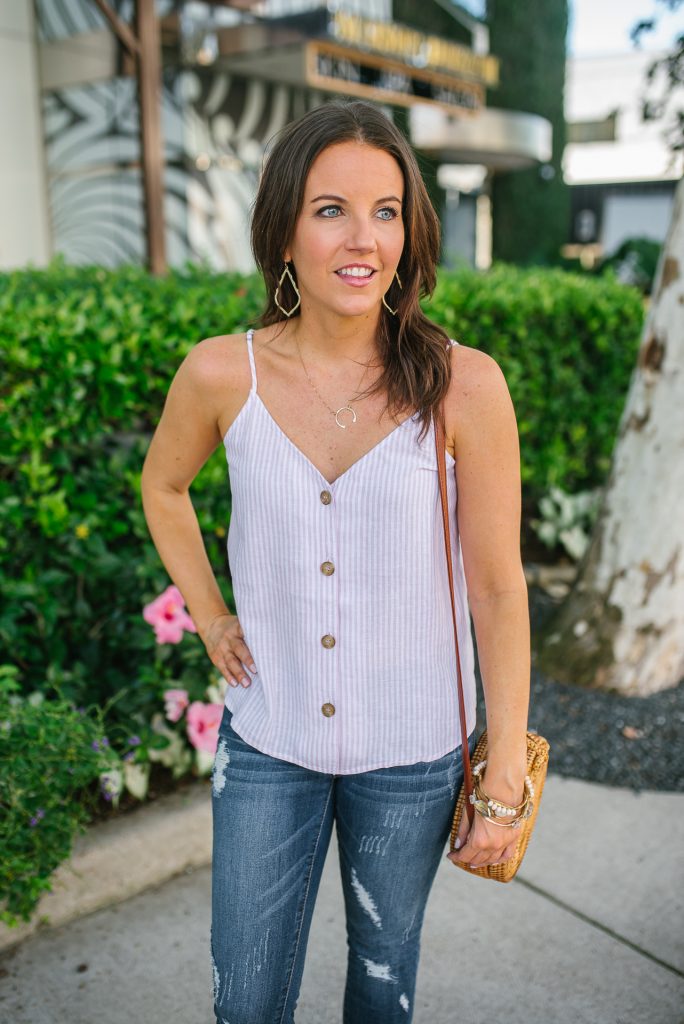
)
(111, 785)
(204, 760)
(216, 692)
(137, 778)
(176, 756)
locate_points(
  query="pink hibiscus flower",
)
(175, 703)
(203, 724)
(168, 616)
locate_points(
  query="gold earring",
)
(387, 307)
(286, 272)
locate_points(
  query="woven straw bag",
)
(537, 746)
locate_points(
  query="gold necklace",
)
(342, 408)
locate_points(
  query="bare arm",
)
(185, 437)
(489, 505)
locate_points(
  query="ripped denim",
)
(272, 822)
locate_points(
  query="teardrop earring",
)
(384, 302)
(286, 273)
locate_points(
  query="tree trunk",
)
(622, 625)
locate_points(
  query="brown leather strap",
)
(441, 470)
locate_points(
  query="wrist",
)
(507, 767)
(508, 786)
(207, 623)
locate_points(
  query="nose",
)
(361, 237)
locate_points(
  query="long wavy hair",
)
(413, 350)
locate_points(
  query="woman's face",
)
(349, 236)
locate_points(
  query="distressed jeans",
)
(272, 822)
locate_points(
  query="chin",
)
(362, 306)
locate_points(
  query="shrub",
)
(50, 753)
(567, 520)
(634, 262)
(86, 358)
(567, 345)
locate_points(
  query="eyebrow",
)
(341, 199)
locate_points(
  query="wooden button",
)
(326, 497)
(327, 568)
(328, 640)
(328, 710)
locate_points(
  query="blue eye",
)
(332, 212)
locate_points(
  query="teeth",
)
(355, 272)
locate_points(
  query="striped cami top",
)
(342, 593)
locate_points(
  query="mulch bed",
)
(635, 742)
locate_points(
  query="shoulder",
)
(216, 361)
(216, 371)
(478, 394)
(214, 379)
(475, 375)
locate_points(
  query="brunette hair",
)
(412, 348)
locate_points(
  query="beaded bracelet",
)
(484, 805)
(510, 824)
(483, 808)
(501, 808)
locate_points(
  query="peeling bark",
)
(622, 625)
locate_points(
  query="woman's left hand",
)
(484, 843)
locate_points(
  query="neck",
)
(328, 339)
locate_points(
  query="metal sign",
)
(336, 68)
(413, 47)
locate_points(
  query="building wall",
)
(622, 187)
(459, 228)
(599, 86)
(635, 215)
(24, 232)
(215, 127)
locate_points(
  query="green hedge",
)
(86, 357)
(567, 345)
(50, 756)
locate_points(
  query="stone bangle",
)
(483, 808)
(485, 811)
(499, 805)
(488, 808)
(511, 824)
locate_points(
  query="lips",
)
(356, 274)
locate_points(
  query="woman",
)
(341, 704)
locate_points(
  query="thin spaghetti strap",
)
(453, 342)
(250, 353)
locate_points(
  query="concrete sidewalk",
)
(590, 931)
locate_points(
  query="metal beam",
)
(149, 92)
(120, 28)
(146, 50)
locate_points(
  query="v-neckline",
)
(329, 483)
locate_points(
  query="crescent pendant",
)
(344, 408)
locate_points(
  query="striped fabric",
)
(343, 596)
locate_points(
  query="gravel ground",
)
(637, 742)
